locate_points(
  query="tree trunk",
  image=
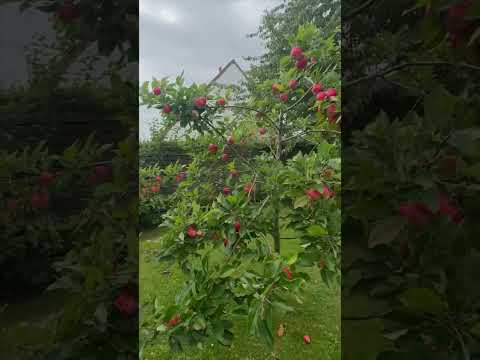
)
(276, 200)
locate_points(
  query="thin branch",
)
(358, 10)
(312, 131)
(399, 67)
(300, 100)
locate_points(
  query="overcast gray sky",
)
(196, 37)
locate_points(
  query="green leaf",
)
(364, 340)
(423, 300)
(386, 231)
(475, 330)
(300, 202)
(317, 230)
(199, 323)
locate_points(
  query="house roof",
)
(222, 71)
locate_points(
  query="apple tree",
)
(237, 210)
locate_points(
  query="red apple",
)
(276, 87)
(262, 131)
(167, 109)
(224, 157)
(313, 194)
(158, 179)
(316, 88)
(192, 232)
(292, 84)
(200, 101)
(301, 63)
(231, 140)
(212, 148)
(102, 171)
(331, 92)
(181, 176)
(237, 226)
(174, 321)
(157, 91)
(307, 340)
(288, 273)
(327, 193)
(68, 12)
(40, 201)
(155, 189)
(233, 173)
(321, 96)
(45, 178)
(221, 102)
(283, 97)
(227, 190)
(126, 304)
(296, 52)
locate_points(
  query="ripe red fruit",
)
(307, 340)
(102, 171)
(237, 226)
(302, 63)
(321, 96)
(283, 97)
(155, 189)
(262, 131)
(212, 148)
(327, 193)
(292, 84)
(313, 194)
(332, 113)
(126, 304)
(68, 12)
(296, 52)
(231, 140)
(167, 109)
(224, 157)
(157, 91)
(191, 232)
(331, 92)
(316, 88)
(159, 179)
(447, 208)
(248, 188)
(416, 213)
(200, 101)
(40, 201)
(45, 178)
(227, 190)
(233, 173)
(174, 321)
(288, 273)
(12, 204)
(92, 179)
(221, 102)
(181, 176)
(276, 87)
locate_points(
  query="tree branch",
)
(358, 10)
(399, 67)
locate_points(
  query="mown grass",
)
(318, 316)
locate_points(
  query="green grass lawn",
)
(318, 316)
